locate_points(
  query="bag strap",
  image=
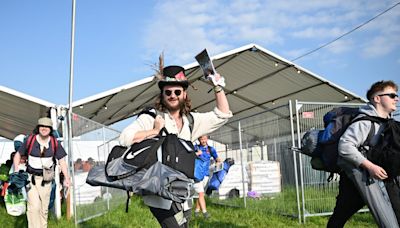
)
(153, 112)
(128, 199)
(373, 119)
(191, 121)
(31, 141)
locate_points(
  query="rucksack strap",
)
(31, 142)
(373, 119)
(153, 112)
(191, 121)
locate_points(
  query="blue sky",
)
(117, 41)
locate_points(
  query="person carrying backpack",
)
(174, 104)
(361, 181)
(42, 149)
(204, 154)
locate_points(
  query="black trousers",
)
(348, 202)
(166, 217)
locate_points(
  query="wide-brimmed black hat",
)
(173, 75)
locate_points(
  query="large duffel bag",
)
(166, 158)
(217, 178)
(167, 148)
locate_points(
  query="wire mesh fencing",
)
(318, 194)
(91, 144)
(274, 177)
(267, 179)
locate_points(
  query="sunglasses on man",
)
(391, 95)
(169, 92)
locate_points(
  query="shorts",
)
(199, 186)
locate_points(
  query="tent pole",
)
(71, 80)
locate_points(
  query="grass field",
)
(222, 216)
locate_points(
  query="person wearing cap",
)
(175, 104)
(41, 155)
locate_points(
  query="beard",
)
(179, 107)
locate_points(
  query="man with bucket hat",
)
(174, 105)
(42, 150)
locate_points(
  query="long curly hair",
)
(185, 106)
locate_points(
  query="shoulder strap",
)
(154, 112)
(191, 121)
(54, 144)
(373, 119)
(30, 142)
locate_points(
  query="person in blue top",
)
(204, 154)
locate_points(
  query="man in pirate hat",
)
(174, 104)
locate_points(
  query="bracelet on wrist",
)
(217, 89)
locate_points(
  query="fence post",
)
(242, 164)
(294, 160)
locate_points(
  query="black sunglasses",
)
(169, 92)
(44, 126)
(391, 95)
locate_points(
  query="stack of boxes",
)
(233, 180)
(265, 177)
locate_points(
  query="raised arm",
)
(220, 97)
(222, 101)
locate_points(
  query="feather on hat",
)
(170, 75)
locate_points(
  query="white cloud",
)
(182, 28)
(340, 46)
(311, 32)
(380, 46)
(294, 53)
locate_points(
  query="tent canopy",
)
(256, 81)
(19, 112)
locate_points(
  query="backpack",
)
(31, 141)
(386, 153)
(177, 156)
(54, 145)
(219, 176)
(322, 145)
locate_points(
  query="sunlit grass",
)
(264, 212)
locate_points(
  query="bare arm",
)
(220, 97)
(375, 171)
(222, 101)
(159, 123)
(16, 161)
(63, 166)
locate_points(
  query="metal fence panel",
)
(91, 144)
(270, 183)
(318, 195)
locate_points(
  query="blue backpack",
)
(322, 145)
(218, 177)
